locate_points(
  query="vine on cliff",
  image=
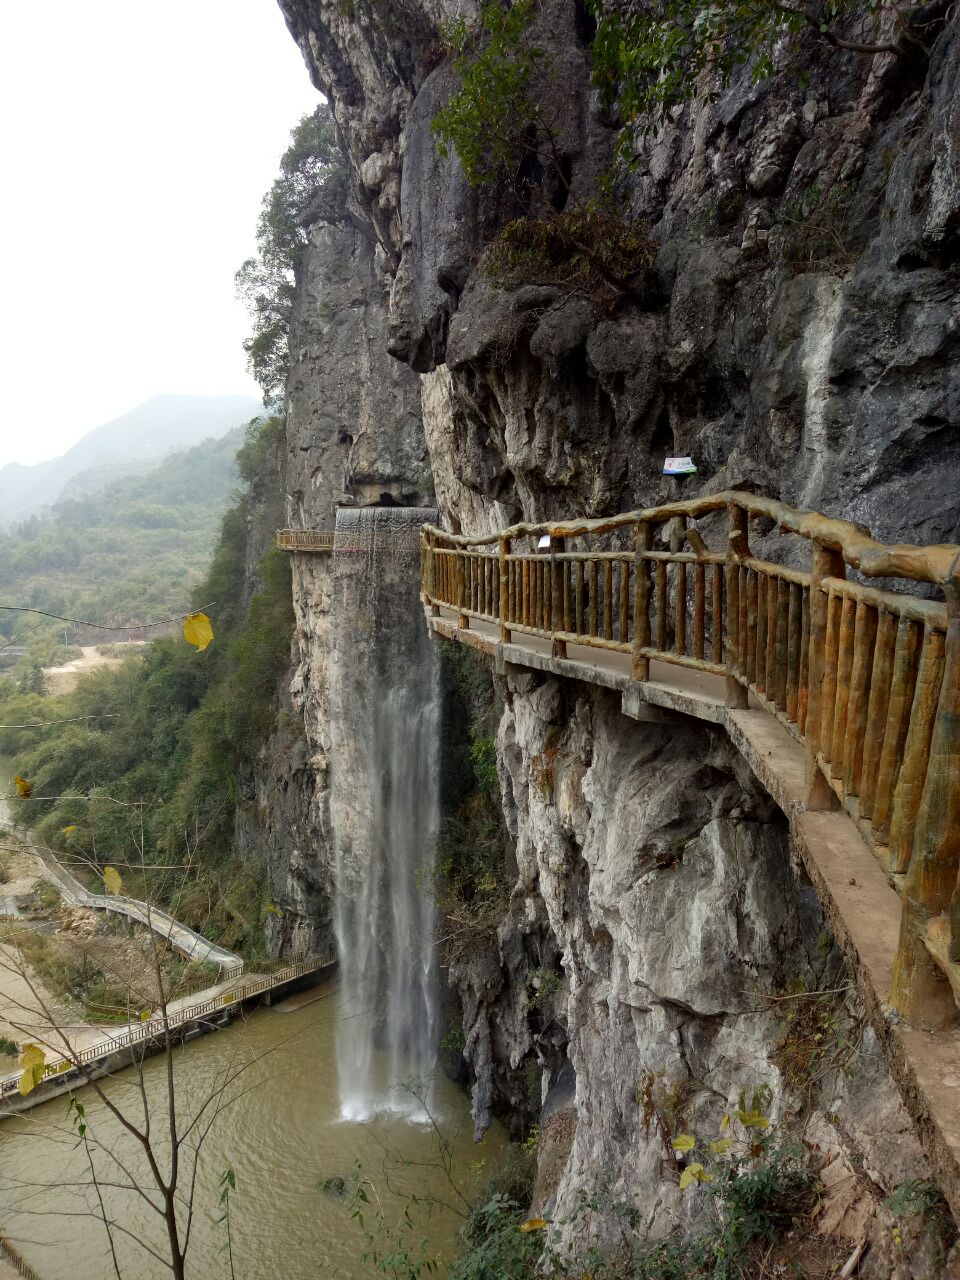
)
(647, 58)
(651, 55)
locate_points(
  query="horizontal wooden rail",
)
(866, 677)
(160, 1025)
(317, 540)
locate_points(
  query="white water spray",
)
(384, 810)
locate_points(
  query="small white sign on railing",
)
(544, 543)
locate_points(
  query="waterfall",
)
(384, 809)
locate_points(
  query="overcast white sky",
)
(136, 143)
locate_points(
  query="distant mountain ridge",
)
(126, 445)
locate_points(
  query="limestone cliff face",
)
(656, 883)
(803, 335)
(799, 337)
(354, 436)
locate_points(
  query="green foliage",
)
(513, 1180)
(816, 229)
(173, 731)
(914, 1198)
(312, 186)
(647, 57)
(589, 250)
(454, 1041)
(817, 1036)
(9, 1047)
(483, 753)
(542, 985)
(47, 895)
(650, 55)
(496, 1247)
(470, 878)
(495, 119)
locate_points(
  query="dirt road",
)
(64, 679)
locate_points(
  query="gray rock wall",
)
(354, 437)
(802, 335)
(655, 879)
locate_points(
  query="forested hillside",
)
(126, 446)
(130, 552)
(174, 728)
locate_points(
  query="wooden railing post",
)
(920, 989)
(503, 550)
(640, 666)
(430, 574)
(737, 550)
(827, 563)
(558, 648)
(463, 621)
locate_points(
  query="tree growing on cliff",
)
(311, 187)
(496, 120)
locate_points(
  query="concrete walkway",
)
(860, 900)
(108, 1049)
(181, 937)
(23, 1001)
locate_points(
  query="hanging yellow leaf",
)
(68, 831)
(720, 1145)
(32, 1064)
(111, 880)
(144, 1015)
(684, 1142)
(694, 1173)
(23, 786)
(753, 1120)
(197, 630)
(533, 1224)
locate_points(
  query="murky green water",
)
(282, 1135)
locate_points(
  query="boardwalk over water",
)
(95, 1053)
(844, 697)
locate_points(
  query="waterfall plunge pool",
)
(282, 1138)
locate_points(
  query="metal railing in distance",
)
(316, 540)
(868, 679)
(157, 1027)
(184, 939)
(16, 1261)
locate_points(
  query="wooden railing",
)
(159, 1026)
(867, 678)
(305, 540)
